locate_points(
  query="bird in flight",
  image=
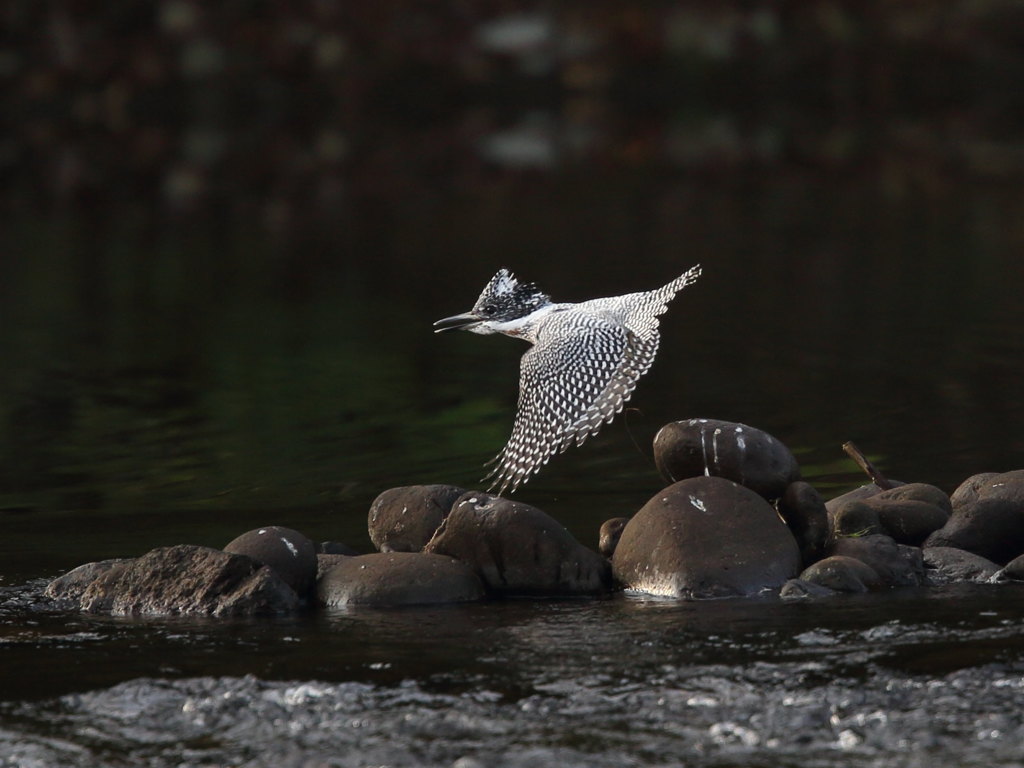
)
(585, 361)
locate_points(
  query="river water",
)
(216, 300)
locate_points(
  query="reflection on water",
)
(224, 239)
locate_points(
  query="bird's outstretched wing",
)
(577, 377)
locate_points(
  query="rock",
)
(911, 512)
(946, 564)
(69, 588)
(923, 492)
(335, 548)
(709, 447)
(968, 490)
(324, 563)
(857, 494)
(178, 580)
(894, 565)
(1013, 571)
(608, 537)
(517, 549)
(706, 537)
(290, 554)
(798, 588)
(803, 509)
(404, 519)
(855, 518)
(398, 578)
(843, 574)
(991, 526)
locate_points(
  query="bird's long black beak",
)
(456, 321)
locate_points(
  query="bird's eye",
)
(489, 309)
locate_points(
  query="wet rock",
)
(968, 490)
(857, 494)
(608, 537)
(290, 554)
(404, 519)
(1013, 571)
(911, 512)
(895, 565)
(855, 518)
(179, 580)
(324, 563)
(709, 447)
(70, 587)
(798, 588)
(946, 564)
(843, 574)
(803, 509)
(705, 537)
(335, 548)
(398, 578)
(517, 549)
(990, 526)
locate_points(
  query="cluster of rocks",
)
(736, 520)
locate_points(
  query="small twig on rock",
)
(864, 463)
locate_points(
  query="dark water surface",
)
(221, 252)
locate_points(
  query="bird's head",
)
(503, 301)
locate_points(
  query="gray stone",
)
(325, 562)
(404, 519)
(179, 580)
(843, 574)
(745, 455)
(517, 549)
(968, 490)
(290, 554)
(857, 494)
(991, 526)
(398, 578)
(895, 566)
(706, 537)
(946, 564)
(855, 518)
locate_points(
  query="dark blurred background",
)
(227, 228)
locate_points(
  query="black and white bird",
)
(584, 364)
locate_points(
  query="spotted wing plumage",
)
(577, 377)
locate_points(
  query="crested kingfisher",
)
(582, 368)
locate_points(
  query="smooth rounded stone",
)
(384, 579)
(517, 549)
(858, 494)
(335, 548)
(908, 521)
(608, 537)
(946, 564)
(923, 492)
(1013, 570)
(404, 519)
(803, 509)
(992, 527)
(800, 588)
(855, 518)
(709, 447)
(324, 563)
(706, 537)
(843, 574)
(968, 490)
(290, 554)
(895, 565)
(179, 580)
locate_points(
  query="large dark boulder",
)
(713, 448)
(176, 580)
(398, 578)
(803, 509)
(706, 537)
(842, 574)
(988, 519)
(404, 519)
(287, 552)
(517, 549)
(857, 494)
